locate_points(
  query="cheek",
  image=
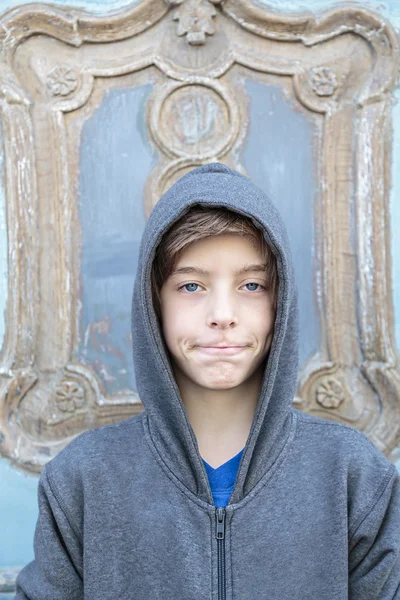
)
(177, 324)
(261, 320)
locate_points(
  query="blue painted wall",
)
(18, 504)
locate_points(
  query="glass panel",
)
(115, 160)
(3, 243)
(278, 157)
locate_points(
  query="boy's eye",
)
(187, 284)
(254, 283)
(196, 284)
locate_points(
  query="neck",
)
(221, 419)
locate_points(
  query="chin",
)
(220, 383)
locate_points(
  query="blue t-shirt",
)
(222, 479)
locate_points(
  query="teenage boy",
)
(220, 489)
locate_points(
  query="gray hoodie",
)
(126, 510)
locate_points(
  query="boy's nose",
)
(222, 319)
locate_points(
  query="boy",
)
(220, 489)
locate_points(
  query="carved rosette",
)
(317, 88)
(66, 401)
(330, 393)
(69, 396)
(62, 80)
(323, 81)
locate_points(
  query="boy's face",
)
(200, 311)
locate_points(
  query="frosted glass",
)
(278, 157)
(115, 160)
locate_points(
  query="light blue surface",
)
(278, 157)
(115, 160)
(18, 515)
(18, 504)
(92, 6)
(389, 9)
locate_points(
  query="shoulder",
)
(340, 440)
(85, 452)
(85, 467)
(349, 456)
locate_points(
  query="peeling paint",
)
(395, 220)
(3, 246)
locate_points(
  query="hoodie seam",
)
(392, 471)
(64, 510)
(167, 471)
(275, 468)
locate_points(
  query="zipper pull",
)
(220, 523)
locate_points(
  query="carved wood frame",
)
(355, 376)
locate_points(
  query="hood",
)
(215, 184)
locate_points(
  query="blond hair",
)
(200, 222)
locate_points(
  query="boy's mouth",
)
(228, 350)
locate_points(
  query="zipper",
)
(220, 535)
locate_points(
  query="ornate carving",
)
(195, 19)
(69, 396)
(194, 116)
(330, 393)
(198, 120)
(62, 80)
(323, 81)
(18, 387)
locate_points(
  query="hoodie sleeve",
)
(56, 573)
(374, 547)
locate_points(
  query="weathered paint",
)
(115, 159)
(395, 216)
(3, 246)
(278, 156)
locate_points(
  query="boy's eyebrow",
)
(256, 268)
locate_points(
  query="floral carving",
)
(62, 80)
(330, 393)
(69, 396)
(195, 19)
(323, 81)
